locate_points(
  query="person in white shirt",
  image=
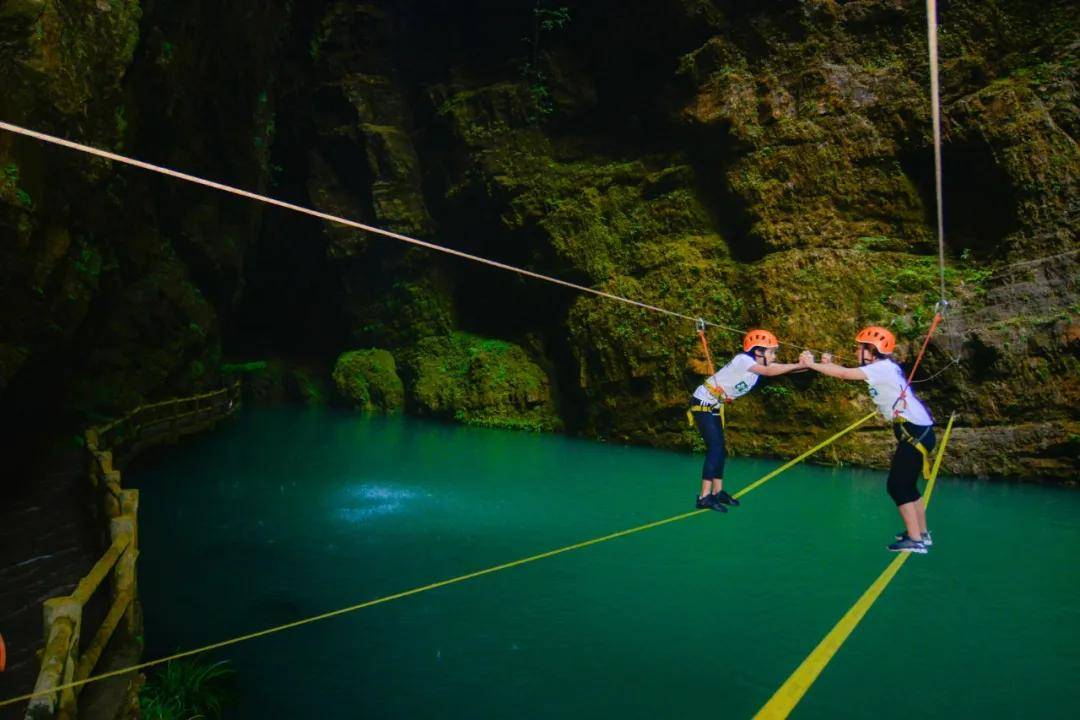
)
(912, 425)
(732, 381)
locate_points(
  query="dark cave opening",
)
(710, 151)
(978, 196)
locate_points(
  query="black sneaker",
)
(708, 503)
(723, 497)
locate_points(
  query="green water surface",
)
(288, 512)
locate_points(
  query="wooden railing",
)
(61, 660)
(147, 424)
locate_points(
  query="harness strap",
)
(716, 392)
(717, 409)
(916, 442)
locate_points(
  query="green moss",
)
(121, 125)
(308, 386)
(9, 186)
(320, 37)
(407, 311)
(368, 380)
(247, 368)
(9, 175)
(480, 381)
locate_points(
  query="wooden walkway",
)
(51, 538)
(48, 541)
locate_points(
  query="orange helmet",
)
(879, 337)
(759, 338)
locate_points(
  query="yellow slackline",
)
(802, 457)
(791, 692)
(937, 461)
(432, 586)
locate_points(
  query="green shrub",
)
(186, 689)
(369, 380)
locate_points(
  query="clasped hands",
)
(806, 359)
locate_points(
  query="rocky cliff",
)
(754, 164)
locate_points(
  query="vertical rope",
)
(708, 357)
(922, 351)
(901, 401)
(935, 111)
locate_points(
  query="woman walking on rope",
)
(707, 409)
(912, 425)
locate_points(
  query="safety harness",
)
(901, 402)
(717, 409)
(716, 392)
(915, 442)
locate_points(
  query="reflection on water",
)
(367, 500)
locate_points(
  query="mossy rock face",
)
(160, 338)
(278, 381)
(368, 379)
(96, 265)
(797, 194)
(310, 386)
(410, 306)
(816, 132)
(480, 381)
(264, 381)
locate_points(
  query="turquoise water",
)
(291, 512)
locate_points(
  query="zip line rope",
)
(935, 112)
(107, 155)
(71, 145)
(953, 362)
(442, 583)
(998, 273)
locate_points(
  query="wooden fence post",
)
(124, 579)
(111, 499)
(60, 660)
(63, 616)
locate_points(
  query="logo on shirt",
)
(741, 386)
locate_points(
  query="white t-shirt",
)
(735, 379)
(886, 380)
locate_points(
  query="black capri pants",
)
(907, 462)
(712, 432)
